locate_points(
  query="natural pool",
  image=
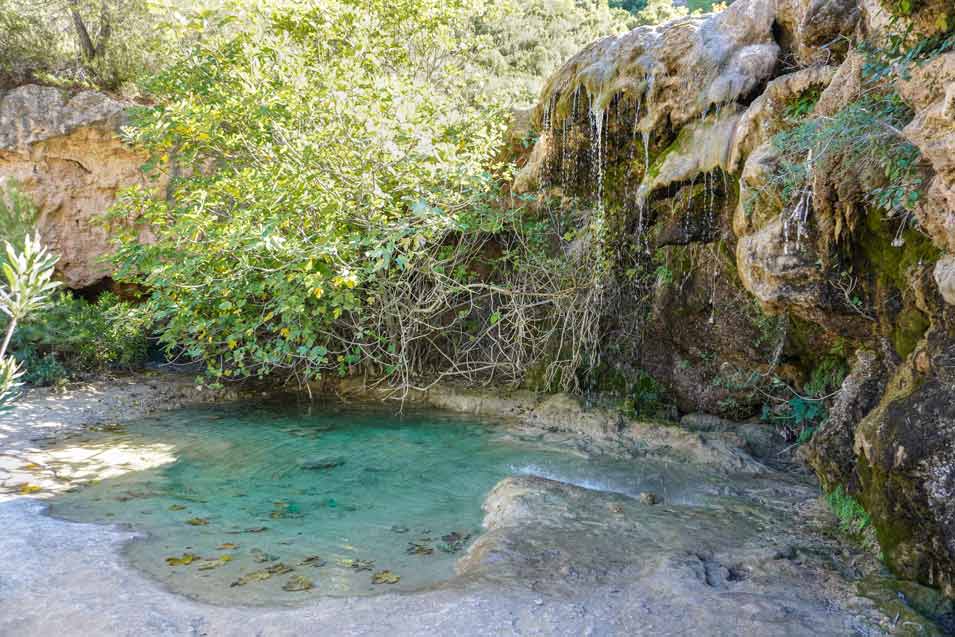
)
(273, 505)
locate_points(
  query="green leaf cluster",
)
(25, 288)
(333, 194)
(73, 337)
(864, 138)
(853, 518)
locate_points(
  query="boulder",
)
(945, 278)
(905, 451)
(831, 450)
(810, 30)
(781, 270)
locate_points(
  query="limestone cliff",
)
(670, 135)
(65, 152)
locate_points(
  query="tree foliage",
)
(98, 43)
(530, 39)
(335, 201)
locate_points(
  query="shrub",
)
(27, 285)
(17, 214)
(76, 337)
(350, 218)
(645, 397)
(110, 44)
(864, 137)
(41, 370)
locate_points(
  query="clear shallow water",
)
(239, 504)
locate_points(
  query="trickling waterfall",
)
(597, 127)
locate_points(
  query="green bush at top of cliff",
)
(530, 39)
(115, 44)
(94, 43)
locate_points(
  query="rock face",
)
(65, 153)
(905, 461)
(669, 132)
(705, 559)
(931, 92)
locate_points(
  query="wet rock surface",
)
(672, 129)
(557, 559)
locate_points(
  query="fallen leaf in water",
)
(415, 548)
(32, 466)
(298, 583)
(227, 546)
(206, 565)
(313, 560)
(197, 521)
(385, 577)
(177, 507)
(27, 489)
(261, 575)
(279, 569)
(357, 565)
(185, 560)
(254, 576)
(261, 556)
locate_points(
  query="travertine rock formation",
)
(668, 131)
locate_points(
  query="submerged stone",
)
(322, 463)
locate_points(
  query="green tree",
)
(527, 40)
(340, 209)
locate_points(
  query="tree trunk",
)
(86, 43)
(105, 29)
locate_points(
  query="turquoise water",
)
(246, 503)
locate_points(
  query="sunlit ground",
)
(47, 472)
